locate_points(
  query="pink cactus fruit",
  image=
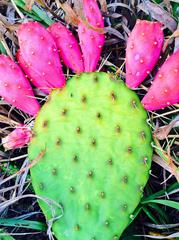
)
(17, 138)
(39, 58)
(27, 71)
(15, 88)
(91, 41)
(68, 47)
(165, 87)
(23, 64)
(143, 50)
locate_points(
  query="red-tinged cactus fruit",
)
(143, 50)
(23, 65)
(27, 71)
(165, 87)
(91, 41)
(15, 88)
(68, 47)
(17, 138)
(39, 57)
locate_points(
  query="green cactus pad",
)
(92, 149)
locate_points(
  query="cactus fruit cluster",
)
(97, 156)
(143, 50)
(91, 143)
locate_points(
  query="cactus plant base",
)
(97, 156)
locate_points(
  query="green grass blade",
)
(162, 192)
(150, 215)
(12, 222)
(42, 14)
(21, 5)
(5, 236)
(36, 13)
(2, 49)
(167, 203)
(161, 214)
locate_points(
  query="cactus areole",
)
(96, 157)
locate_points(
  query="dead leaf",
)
(158, 13)
(7, 29)
(114, 32)
(71, 17)
(76, 15)
(177, 40)
(78, 7)
(168, 5)
(23, 169)
(3, 41)
(168, 167)
(103, 5)
(170, 40)
(162, 132)
(4, 2)
(120, 5)
(6, 120)
(29, 4)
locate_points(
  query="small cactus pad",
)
(96, 157)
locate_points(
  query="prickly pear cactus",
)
(97, 155)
